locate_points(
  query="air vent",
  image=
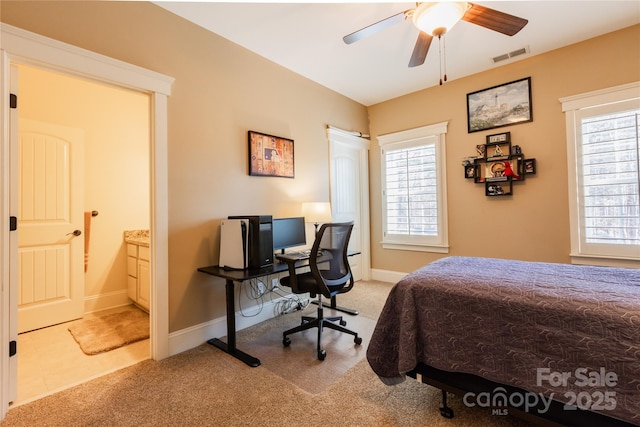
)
(510, 55)
(500, 58)
(518, 52)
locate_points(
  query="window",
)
(414, 189)
(604, 175)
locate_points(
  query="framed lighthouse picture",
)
(503, 105)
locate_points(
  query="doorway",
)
(83, 147)
(20, 46)
(349, 185)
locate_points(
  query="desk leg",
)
(230, 346)
(337, 307)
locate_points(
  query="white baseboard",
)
(386, 275)
(105, 301)
(188, 338)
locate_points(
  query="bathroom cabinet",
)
(138, 282)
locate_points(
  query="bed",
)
(503, 333)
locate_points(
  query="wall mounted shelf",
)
(498, 165)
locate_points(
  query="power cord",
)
(290, 303)
(256, 290)
(252, 292)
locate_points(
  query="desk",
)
(230, 277)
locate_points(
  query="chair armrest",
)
(291, 266)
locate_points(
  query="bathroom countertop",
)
(137, 237)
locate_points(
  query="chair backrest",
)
(328, 260)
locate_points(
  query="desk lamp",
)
(316, 212)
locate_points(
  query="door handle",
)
(75, 233)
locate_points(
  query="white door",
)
(50, 225)
(350, 194)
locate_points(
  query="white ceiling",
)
(307, 39)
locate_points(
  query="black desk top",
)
(248, 273)
(253, 273)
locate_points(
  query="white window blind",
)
(610, 179)
(412, 190)
(603, 154)
(414, 206)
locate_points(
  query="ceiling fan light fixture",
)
(436, 18)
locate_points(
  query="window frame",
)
(606, 101)
(431, 134)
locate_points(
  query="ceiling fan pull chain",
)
(444, 49)
(440, 56)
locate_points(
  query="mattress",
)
(562, 331)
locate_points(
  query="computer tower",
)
(260, 239)
(234, 244)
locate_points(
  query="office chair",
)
(330, 274)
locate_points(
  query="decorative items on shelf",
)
(498, 165)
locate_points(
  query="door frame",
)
(20, 46)
(360, 144)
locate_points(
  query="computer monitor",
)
(288, 232)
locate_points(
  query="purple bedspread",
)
(524, 324)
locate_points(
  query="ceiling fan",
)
(436, 18)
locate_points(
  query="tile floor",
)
(50, 360)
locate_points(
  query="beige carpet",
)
(108, 332)
(206, 387)
(298, 363)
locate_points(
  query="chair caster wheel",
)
(343, 323)
(322, 354)
(286, 341)
(357, 340)
(446, 412)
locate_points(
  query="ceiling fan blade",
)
(494, 19)
(374, 28)
(420, 49)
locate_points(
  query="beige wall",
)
(221, 91)
(533, 224)
(116, 127)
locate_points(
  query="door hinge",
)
(13, 100)
(13, 348)
(13, 223)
